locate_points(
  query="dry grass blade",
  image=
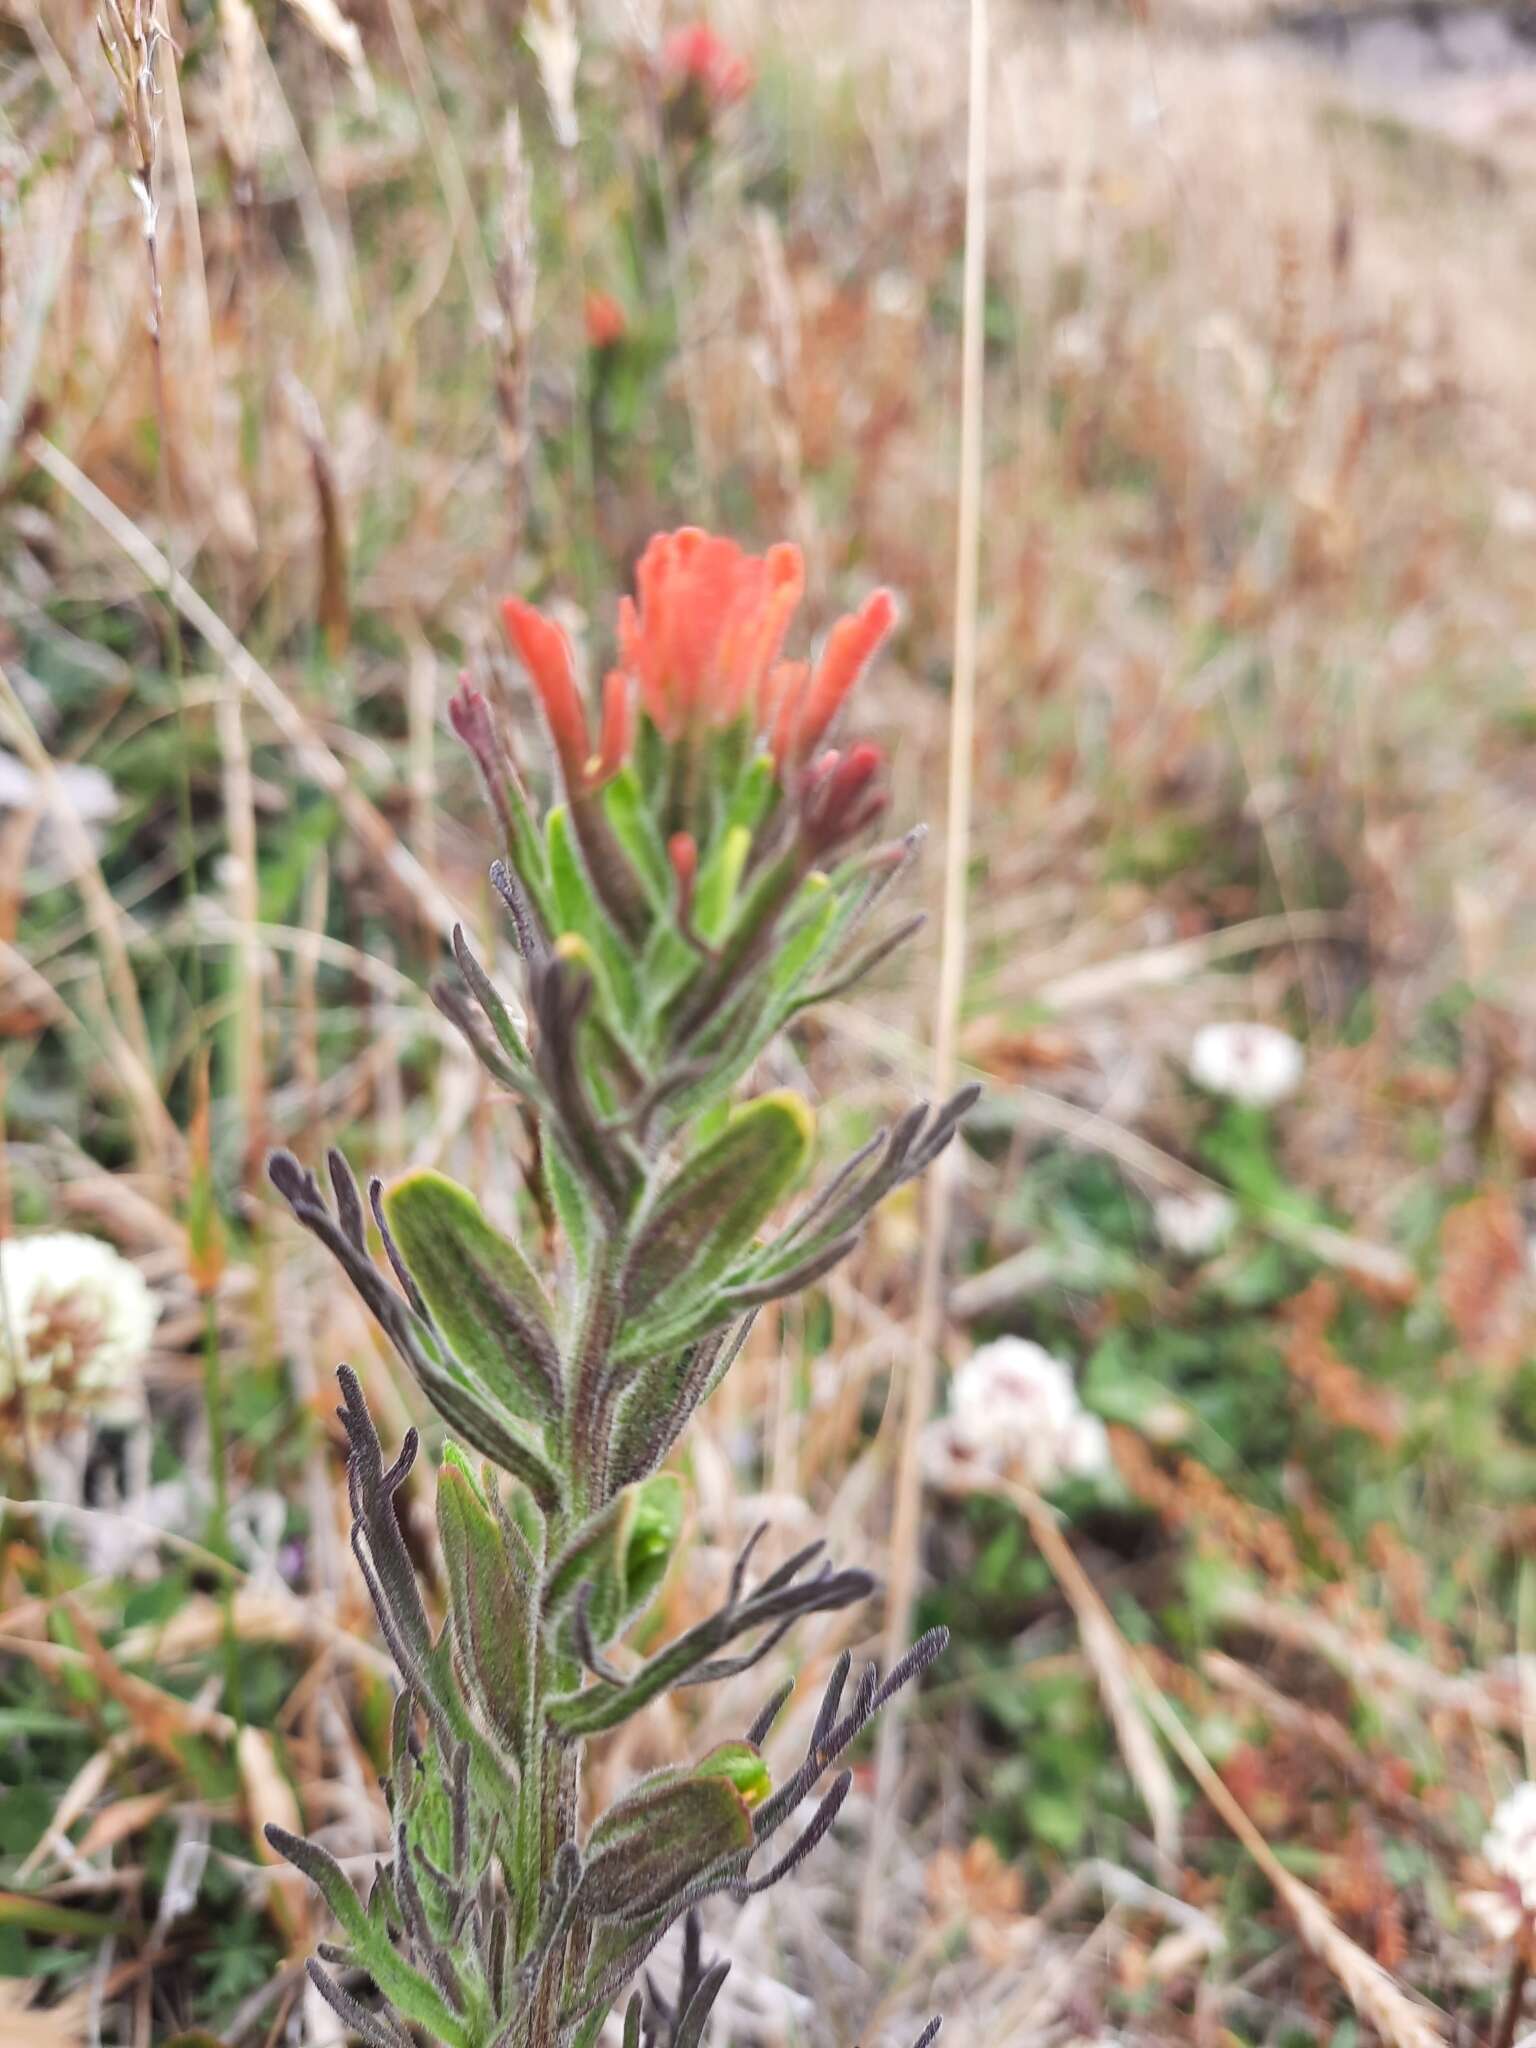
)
(123, 1819)
(245, 905)
(1376, 1996)
(446, 161)
(1114, 1667)
(550, 32)
(1380, 1669)
(269, 1797)
(62, 2026)
(516, 280)
(333, 604)
(917, 1402)
(23, 988)
(82, 1792)
(257, 1614)
(161, 1140)
(238, 95)
(1160, 966)
(30, 322)
(1329, 1736)
(326, 22)
(194, 376)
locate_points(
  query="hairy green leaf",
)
(660, 1839)
(495, 1611)
(401, 1985)
(483, 1295)
(707, 1215)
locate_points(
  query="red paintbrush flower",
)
(702, 642)
(708, 626)
(696, 55)
(699, 648)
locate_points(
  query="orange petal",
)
(546, 654)
(850, 648)
(618, 729)
(778, 585)
(779, 703)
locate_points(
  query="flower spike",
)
(679, 899)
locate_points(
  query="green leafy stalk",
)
(676, 910)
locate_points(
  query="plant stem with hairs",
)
(699, 886)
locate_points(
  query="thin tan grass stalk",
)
(244, 891)
(333, 601)
(1120, 1679)
(1377, 1997)
(917, 1404)
(341, 36)
(47, 269)
(306, 980)
(421, 752)
(187, 355)
(549, 30)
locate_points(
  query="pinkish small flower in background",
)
(1254, 1064)
(694, 57)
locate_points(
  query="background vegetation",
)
(444, 302)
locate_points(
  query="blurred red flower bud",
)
(607, 322)
(695, 55)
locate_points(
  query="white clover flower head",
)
(1194, 1225)
(1250, 1063)
(76, 1319)
(1014, 1409)
(1509, 1848)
